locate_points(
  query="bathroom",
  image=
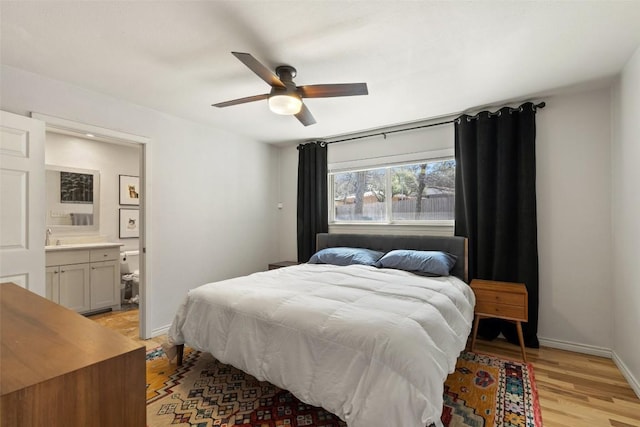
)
(108, 216)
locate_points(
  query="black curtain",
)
(496, 205)
(312, 197)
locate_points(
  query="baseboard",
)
(160, 331)
(577, 348)
(633, 381)
(595, 351)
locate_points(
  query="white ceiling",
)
(420, 59)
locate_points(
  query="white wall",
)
(287, 225)
(626, 221)
(573, 190)
(574, 235)
(111, 160)
(213, 193)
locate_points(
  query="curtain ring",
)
(322, 143)
(384, 135)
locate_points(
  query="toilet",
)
(130, 273)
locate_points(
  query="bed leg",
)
(180, 353)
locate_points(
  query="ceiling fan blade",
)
(241, 100)
(263, 72)
(326, 91)
(305, 116)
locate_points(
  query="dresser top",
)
(41, 340)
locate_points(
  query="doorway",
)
(57, 129)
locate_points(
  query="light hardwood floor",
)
(126, 322)
(574, 389)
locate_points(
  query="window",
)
(360, 195)
(420, 192)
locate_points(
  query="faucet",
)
(47, 240)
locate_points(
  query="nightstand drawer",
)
(501, 298)
(501, 310)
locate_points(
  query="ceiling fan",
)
(285, 97)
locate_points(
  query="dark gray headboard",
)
(455, 245)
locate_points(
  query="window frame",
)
(387, 163)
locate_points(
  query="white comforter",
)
(373, 346)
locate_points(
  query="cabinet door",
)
(53, 284)
(105, 284)
(74, 287)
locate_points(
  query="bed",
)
(371, 345)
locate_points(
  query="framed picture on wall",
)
(129, 190)
(76, 187)
(129, 223)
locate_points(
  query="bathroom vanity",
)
(84, 277)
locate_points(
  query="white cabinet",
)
(53, 284)
(84, 280)
(103, 275)
(74, 287)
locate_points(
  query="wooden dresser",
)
(503, 300)
(58, 368)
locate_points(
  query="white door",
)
(22, 207)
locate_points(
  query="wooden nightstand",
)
(281, 264)
(503, 300)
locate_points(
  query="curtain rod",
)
(384, 134)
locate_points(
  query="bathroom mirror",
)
(73, 197)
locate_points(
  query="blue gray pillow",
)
(435, 263)
(346, 256)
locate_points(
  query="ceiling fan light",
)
(285, 104)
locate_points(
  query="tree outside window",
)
(359, 195)
(419, 192)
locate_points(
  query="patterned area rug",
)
(483, 391)
(489, 391)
